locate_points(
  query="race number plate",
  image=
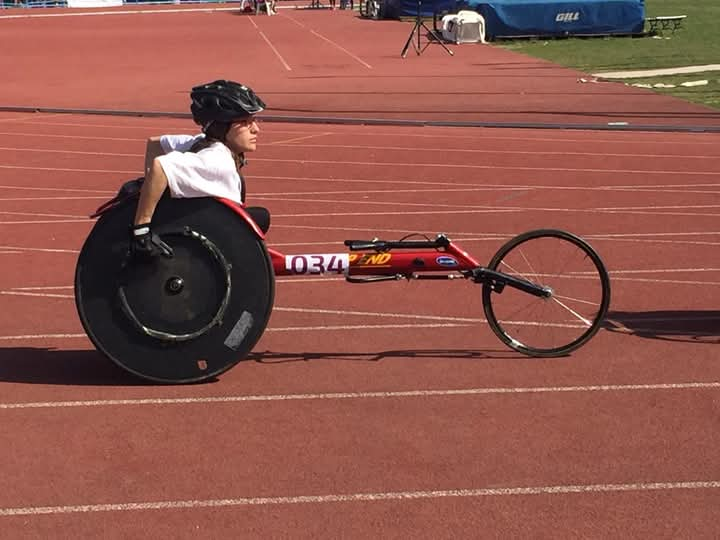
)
(317, 263)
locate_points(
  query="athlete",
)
(205, 165)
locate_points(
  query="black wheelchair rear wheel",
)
(183, 319)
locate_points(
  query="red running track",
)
(304, 63)
(385, 411)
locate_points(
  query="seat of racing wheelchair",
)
(186, 318)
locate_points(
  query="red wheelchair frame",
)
(376, 260)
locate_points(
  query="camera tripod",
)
(420, 25)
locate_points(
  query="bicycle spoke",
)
(583, 319)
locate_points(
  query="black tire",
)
(576, 308)
(180, 320)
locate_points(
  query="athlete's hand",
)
(145, 243)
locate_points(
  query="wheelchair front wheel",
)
(570, 316)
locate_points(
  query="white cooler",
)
(464, 27)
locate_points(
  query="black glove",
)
(146, 244)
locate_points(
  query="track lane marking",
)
(61, 189)
(394, 164)
(272, 47)
(337, 46)
(713, 385)
(362, 148)
(39, 214)
(362, 497)
(331, 42)
(68, 169)
(47, 250)
(44, 222)
(452, 165)
(561, 154)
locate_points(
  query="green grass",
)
(697, 43)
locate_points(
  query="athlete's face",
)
(242, 135)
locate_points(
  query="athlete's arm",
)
(153, 149)
(155, 184)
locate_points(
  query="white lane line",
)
(439, 188)
(62, 189)
(43, 295)
(277, 53)
(362, 395)
(384, 164)
(400, 181)
(615, 273)
(272, 47)
(296, 139)
(656, 207)
(337, 46)
(346, 327)
(67, 169)
(378, 314)
(46, 136)
(336, 202)
(62, 151)
(421, 212)
(56, 198)
(665, 270)
(658, 241)
(44, 222)
(641, 319)
(496, 151)
(330, 42)
(443, 165)
(497, 210)
(326, 328)
(666, 281)
(466, 236)
(361, 497)
(649, 210)
(46, 250)
(42, 336)
(38, 214)
(642, 235)
(48, 288)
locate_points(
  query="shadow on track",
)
(693, 326)
(270, 357)
(40, 365)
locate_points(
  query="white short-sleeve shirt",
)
(209, 172)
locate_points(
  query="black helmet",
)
(223, 102)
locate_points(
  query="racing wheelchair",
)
(190, 317)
